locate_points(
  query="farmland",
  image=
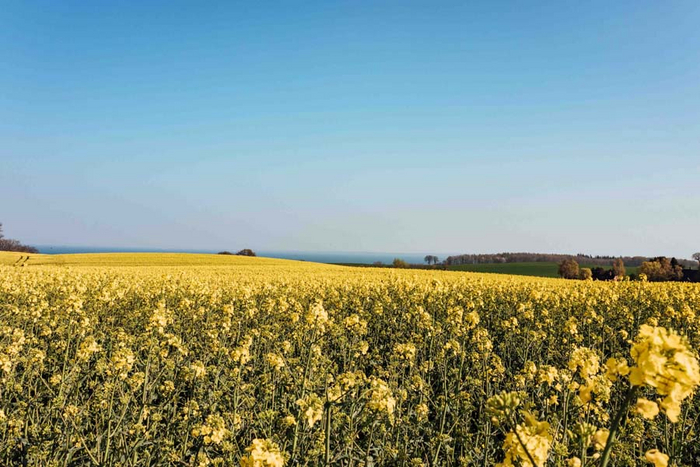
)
(172, 359)
(540, 269)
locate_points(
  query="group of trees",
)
(662, 269)
(541, 258)
(570, 269)
(8, 244)
(243, 252)
(430, 259)
(657, 269)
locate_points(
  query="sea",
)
(312, 256)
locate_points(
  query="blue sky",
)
(353, 126)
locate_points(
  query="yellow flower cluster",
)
(311, 408)
(380, 397)
(263, 453)
(213, 431)
(664, 362)
(528, 445)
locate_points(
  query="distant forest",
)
(8, 244)
(548, 258)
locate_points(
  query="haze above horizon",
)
(359, 126)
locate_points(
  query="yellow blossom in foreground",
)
(547, 374)
(422, 411)
(311, 408)
(656, 457)
(275, 361)
(381, 398)
(615, 368)
(646, 408)
(122, 361)
(586, 361)
(600, 439)
(214, 430)
(405, 351)
(241, 354)
(585, 393)
(263, 453)
(198, 369)
(536, 441)
(317, 316)
(87, 348)
(664, 361)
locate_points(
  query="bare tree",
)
(8, 244)
(696, 256)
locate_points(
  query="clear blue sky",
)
(353, 126)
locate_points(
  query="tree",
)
(430, 259)
(585, 273)
(399, 263)
(618, 268)
(8, 244)
(661, 269)
(568, 269)
(652, 270)
(246, 252)
(696, 256)
(599, 274)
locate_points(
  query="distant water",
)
(317, 257)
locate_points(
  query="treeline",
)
(8, 244)
(543, 258)
(569, 269)
(659, 269)
(662, 269)
(243, 252)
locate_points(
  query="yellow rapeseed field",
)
(195, 360)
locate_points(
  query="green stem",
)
(444, 414)
(329, 408)
(605, 458)
(303, 393)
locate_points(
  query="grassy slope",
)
(543, 269)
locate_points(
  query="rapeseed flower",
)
(263, 453)
(664, 361)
